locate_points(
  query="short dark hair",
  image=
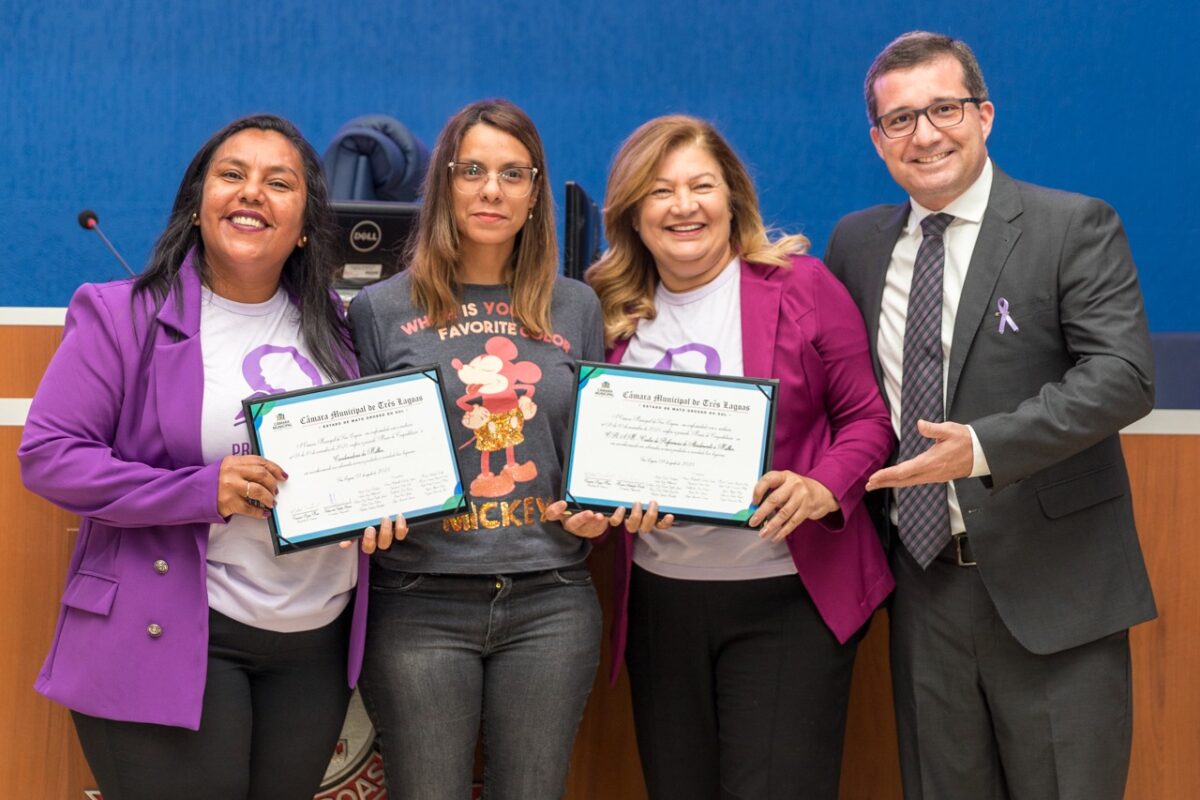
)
(307, 272)
(915, 48)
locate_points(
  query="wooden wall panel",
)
(1165, 762)
(605, 763)
(870, 762)
(41, 758)
(1165, 471)
(26, 351)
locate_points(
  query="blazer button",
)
(161, 567)
(154, 629)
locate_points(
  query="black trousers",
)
(739, 689)
(274, 704)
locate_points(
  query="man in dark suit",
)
(1009, 336)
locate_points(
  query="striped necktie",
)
(924, 515)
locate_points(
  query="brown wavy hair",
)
(434, 252)
(625, 277)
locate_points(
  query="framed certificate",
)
(695, 443)
(354, 452)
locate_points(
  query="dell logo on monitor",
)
(365, 236)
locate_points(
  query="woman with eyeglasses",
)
(740, 642)
(487, 621)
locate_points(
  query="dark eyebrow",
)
(934, 102)
(242, 165)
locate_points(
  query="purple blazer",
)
(113, 435)
(800, 326)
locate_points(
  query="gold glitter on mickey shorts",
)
(500, 431)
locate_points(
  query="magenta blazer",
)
(800, 326)
(113, 435)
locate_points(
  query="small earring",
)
(531, 214)
(195, 217)
(303, 241)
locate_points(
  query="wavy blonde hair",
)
(625, 277)
(434, 252)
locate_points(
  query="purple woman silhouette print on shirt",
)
(712, 359)
(271, 369)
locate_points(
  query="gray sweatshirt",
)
(508, 397)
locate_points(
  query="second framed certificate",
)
(355, 452)
(697, 444)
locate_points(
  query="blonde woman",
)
(740, 643)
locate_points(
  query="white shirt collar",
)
(718, 282)
(969, 206)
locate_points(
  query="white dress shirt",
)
(967, 210)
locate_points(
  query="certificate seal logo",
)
(604, 390)
(280, 422)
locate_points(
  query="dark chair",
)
(375, 157)
(1176, 370)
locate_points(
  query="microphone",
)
(90, 222)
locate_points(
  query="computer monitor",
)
(583, 232)
(372, 239)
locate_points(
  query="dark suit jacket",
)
(1052, 528)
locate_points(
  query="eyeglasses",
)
(941, 114)
(667, 194)
(470, 178)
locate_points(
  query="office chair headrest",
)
(375, 157)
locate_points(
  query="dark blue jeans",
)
(447, 656)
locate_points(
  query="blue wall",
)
(105, 103)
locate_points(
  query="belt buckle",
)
(959, 538)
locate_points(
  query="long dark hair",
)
(308, 271)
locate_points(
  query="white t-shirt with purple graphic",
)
(701, 331)
(251, 350)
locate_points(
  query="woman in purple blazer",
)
(195, 664)
(740, 672)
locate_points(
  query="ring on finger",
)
(247, 495)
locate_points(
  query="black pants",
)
(739, 689)
(274, 704)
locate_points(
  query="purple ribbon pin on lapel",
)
(1005, 317)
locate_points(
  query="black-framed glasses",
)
(470, 178)
(944, 113)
